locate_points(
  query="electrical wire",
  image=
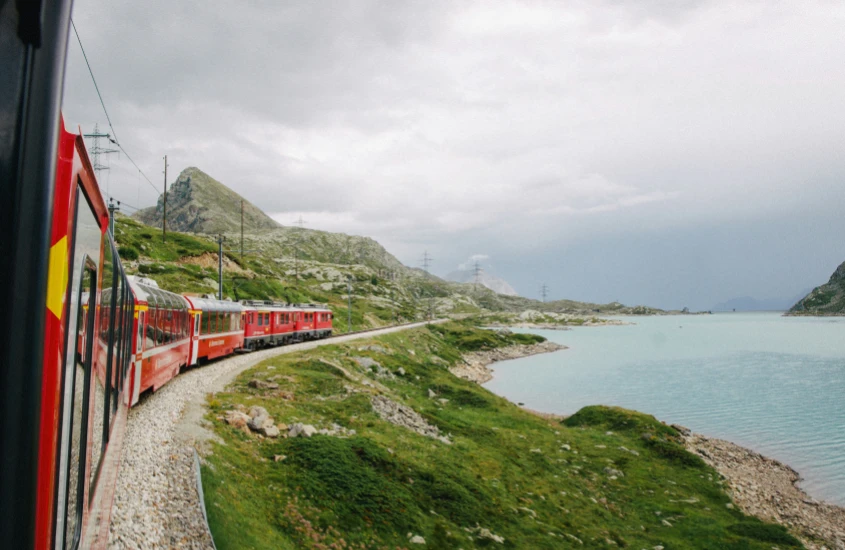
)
(102, 103)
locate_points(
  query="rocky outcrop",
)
(827, 299)
(475, 365)
(767, 489)
(406, 417)
(197, 203)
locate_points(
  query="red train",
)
(176, 331)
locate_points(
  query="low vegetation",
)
(604, 477)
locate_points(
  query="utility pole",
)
(544, 291)
(300, 222)
(220, 239)
(112, 208)
(242, 231)
(349, 303)
(164, 214)
(426, 261)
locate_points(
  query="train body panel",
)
(86, 343)
(313, 322)
(217, 329)
(166, 340)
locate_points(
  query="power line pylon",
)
(544, 291)
(96, 151)
(426, 261)
(477, 273)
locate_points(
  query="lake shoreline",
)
(759, 485)
(768, 489)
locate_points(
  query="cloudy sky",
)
(671, 153)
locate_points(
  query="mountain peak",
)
(197, 203)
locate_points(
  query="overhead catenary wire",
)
(103, 104)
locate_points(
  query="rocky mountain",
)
(197, 203)
(496, 284)
(827, 299)
(747, 303)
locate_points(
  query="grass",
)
(538, 483)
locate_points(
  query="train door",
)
(139, 356)
(195, 339)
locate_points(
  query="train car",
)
(163, 327)
(268, 323)
(216, 328)
(87, 342)
(313, 322)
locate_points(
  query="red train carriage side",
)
(323, 323)
(313, 322)
(163, 326)
(267, 324)
(87, 343)
(216, 328)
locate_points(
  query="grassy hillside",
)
(603, 478)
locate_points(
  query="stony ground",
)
(476, 364)
(156, 503)
(766, 488)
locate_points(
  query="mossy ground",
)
(507, 470)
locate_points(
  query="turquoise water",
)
(774, 384)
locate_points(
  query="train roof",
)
(207, 304)
(268, 305)
(147, 290)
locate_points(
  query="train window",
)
(260, 320)
(267, 319)
(80, 345)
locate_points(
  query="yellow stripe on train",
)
(57, 277)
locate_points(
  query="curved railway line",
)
(156, 503)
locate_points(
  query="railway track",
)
(156, 503)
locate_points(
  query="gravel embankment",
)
(156, 504)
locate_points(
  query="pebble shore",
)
(156, 503)
(766, 488)
(476, 364)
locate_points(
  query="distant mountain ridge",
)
(827, 299)
(747, 303)
(198, 203)
(496, 284)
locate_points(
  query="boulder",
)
(262, 385)
(302, 430)
(260, 419)
(416, 539)
(237, 419)
(270, 431)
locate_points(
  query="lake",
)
(771, 383)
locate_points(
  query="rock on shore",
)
(766, 488)
(475, 366)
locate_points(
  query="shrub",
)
(764, 532)
(128, 252)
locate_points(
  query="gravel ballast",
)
(156, 503)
